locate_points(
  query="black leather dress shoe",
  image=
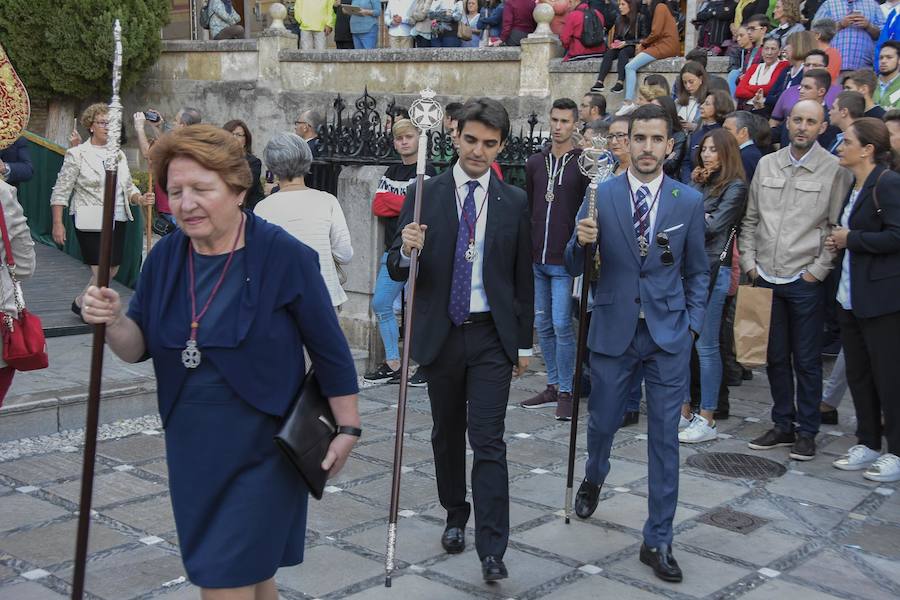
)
(493, 569)
(586, 499)
(663, 563)
(454, 540)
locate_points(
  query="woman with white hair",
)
(313, 217)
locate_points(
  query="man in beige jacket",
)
(795, 197)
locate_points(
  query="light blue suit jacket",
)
(673, 298)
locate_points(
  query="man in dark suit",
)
(472, 323)
(740, 125)
(15, 163)
(649, 305)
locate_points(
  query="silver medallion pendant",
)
(549, 196)
(643, 245)
(471, 253)
(190, 356)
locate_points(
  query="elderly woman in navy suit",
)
(225, 307)
(869, 298)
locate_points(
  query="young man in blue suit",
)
(649, 303)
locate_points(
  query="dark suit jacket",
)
(507, 268)
(874, 244)
(750, 156)
(18, 158)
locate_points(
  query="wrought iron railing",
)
(361, 136)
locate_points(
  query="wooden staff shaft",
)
(404, 371)
(93, 403)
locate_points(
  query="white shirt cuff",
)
(404, 259)
(526, 352)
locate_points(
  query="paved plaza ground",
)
(813, 532)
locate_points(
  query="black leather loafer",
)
(662, 562)
(493, 569)
(586, 499)
(453, 540)
(631, 417)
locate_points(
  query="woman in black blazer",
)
(869, 298)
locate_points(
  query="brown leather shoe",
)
(564, 406)
(542, 400)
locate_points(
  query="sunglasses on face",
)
(662, 240)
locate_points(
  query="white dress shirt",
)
(635, 184)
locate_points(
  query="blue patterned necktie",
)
(641, 220)
(461, 285)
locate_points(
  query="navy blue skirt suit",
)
(240, 508)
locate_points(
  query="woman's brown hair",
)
(91, 113)
(874, 132)
(730, 165)
(213, 148)
(233, 124)
(723, 104)
(791, 11)
(697, 70)
(802, 43)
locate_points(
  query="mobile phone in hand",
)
(152, 116)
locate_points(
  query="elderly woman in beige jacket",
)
(23, 254)
(79, 186)
(313, 217)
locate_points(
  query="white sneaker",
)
(885, 469)
(857, 458)
(626, 109)
(698, 431)
(685, 423)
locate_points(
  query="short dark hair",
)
(817, 52)
(853, 102)
(452, 109)
(759, 19)
(892, 115)
(598, 101)
(723, 104)
(864, 77)
(761, 133)
(774, 38)
(651, 112)
(743, 119)
(718, 83)
(566, 104)
(699, 55)
(657, 79)
(895, 44)
(627, 120)
(822, 77)
(598, 126)
(190, 115)
(486, 111)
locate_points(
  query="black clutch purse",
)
(307, 432)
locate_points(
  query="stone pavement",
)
(814, 532)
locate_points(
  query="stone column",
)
(356, 188)
(690, 32)
(269, 44)
(534, 68)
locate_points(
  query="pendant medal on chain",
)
(471, 253)
(549, 196)
(643, 245)
(190, 356)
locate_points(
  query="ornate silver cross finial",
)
(110, 163)
(425, 112)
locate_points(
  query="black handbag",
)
(162, 226)
(307, 432)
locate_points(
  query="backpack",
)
(593, 33)
(204, 16)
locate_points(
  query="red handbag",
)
(24, 345)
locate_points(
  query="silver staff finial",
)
(115, 105)
(425, 112)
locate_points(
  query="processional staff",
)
(111, 166)
(597, 163)
(426, 114)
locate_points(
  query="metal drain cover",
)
(732, 520)
(733, 464)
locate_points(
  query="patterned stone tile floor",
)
(821, 533)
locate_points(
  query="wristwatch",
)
(348, 430)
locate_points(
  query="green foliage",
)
(65, 47)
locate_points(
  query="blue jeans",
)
(795, 350)
(733, 76)
(386, 291)
(708, 343)
(366, 40)
(631, 70)
(553, 321)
